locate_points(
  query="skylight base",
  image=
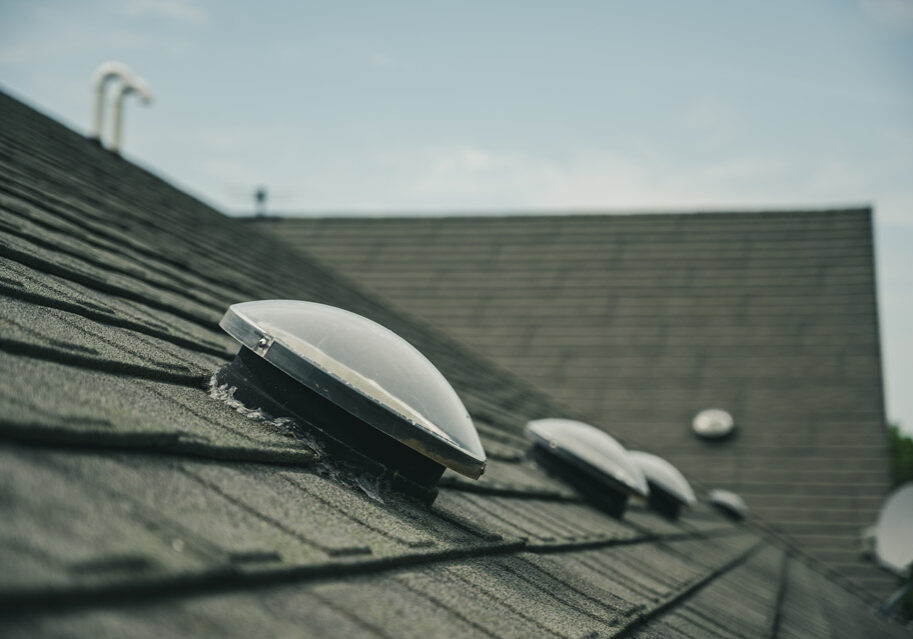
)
(600, 495)
(663, 503)
(259, 384)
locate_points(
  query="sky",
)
(433, 107)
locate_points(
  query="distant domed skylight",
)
(669, 490)
(728, 503)
(713, 423)
(894, 532)
(360, 367)
(589, 459)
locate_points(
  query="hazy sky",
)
(509, 106)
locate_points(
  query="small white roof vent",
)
(368, 394)
(589, 459)
(728, 503)
(669, 490)
(894, 531)
(713, 423)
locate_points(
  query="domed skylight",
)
(669, 490)
(729, 503)
(894, 532)
(365, 369)
(713, 423)
(588, 458)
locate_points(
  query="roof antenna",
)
(103, 74)
(131, 85)
(260, 198)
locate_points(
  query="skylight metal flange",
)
(365, 369)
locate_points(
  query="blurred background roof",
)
(520, 107)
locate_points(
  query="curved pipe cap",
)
(592, 452)
(132, 85)
(728, 503)
(669, 490)
(138, 86)
(108, 71)
(366, 370)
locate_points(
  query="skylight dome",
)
(360, 367)
(589, 459)
(669, 490)
(894, 532)
(713, 423)
(728, 503)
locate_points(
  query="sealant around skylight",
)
(364, 369)
(713, 423)
(589, 459)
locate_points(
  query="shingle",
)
(44, 289)
(51, 333)
(60, 533)
(518, 596)
(506, 477)
(50, 402)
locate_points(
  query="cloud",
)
(894, 13)
(176, 10)
(471, 177)
(382, 60)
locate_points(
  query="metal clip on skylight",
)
(588, 459)
(368, 395)
(728, 503)
(669, 490)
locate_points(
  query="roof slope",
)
(641, 321)
(135, 501)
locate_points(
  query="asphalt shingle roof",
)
(641, 321)
(136, 501)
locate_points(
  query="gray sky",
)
(509, 106)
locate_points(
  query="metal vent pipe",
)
(101, 77)
(132, 85)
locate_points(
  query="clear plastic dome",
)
(588, 446)
(664, 475)
(894, 532)
(713, 423)
(728, 501)
(364, 357)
